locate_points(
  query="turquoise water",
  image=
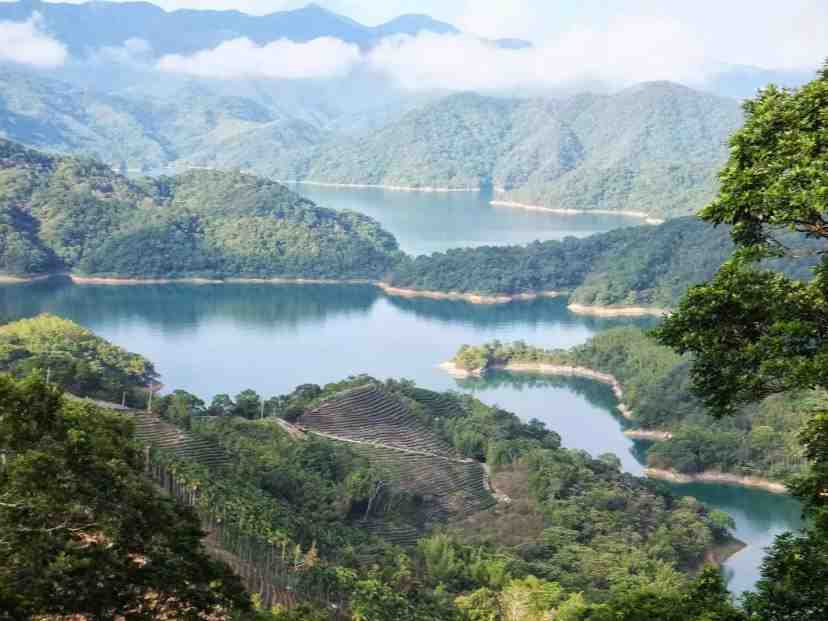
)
(211, 339)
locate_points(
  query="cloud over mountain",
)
(324, 57)
(26, 43)
(630, 50)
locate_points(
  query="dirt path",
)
(489, 483)
(387, 446)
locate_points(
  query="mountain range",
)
(91, 25)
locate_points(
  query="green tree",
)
(180, 406)
(754, 332)
(248, 405)
(81, 531)
(440, 558)
(480, 605)
(794, 583)
(222, 405)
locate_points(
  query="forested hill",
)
(653, 148)
(650, 266)
(642, 266)
(68, 213)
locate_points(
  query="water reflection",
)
(529, 312)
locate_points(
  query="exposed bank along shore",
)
(638, 434)
(617, 311)
(393, 188)
(474, 298)
(567, 211)
(97, 280)
(10, 279)
(714, 476)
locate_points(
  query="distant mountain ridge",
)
(139, 133)
(653, 148)
(85, 27)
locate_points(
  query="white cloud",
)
(134, 52)
(502, 18)
(242, 58)
(629, 50)
(26, 43)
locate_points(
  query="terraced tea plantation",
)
(372, 415)
(379, 425)
(154, 432)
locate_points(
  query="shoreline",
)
(722, 551)
(377, 186)
(617, 311)
(648, 219)
(715, 476)
(548, 369)
(115, 281)
(474, 298)
(648, 434)
(7, 279)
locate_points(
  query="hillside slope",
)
(78, 215)
(180, 125)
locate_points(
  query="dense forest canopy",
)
(66, 213)
(650, 266)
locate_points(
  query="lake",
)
(211, 339)
(426, 222)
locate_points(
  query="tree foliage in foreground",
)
(81, 530)
(753, 333)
